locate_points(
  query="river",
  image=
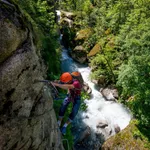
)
(99, 111)
(101, 117)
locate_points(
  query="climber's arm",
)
(63, 86)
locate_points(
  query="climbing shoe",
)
(63, 130)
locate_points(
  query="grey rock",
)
(28, 120)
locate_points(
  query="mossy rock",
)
(11, 38)
(83, 34)
(96, 49)
(79, 54)
(127, 139)
(69, 15)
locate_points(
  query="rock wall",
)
(27, 117)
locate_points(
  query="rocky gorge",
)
(27, 117)
(128, 138)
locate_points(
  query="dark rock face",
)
(79, 54)
(27, 118)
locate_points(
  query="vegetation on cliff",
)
(41, 14)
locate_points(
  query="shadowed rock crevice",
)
(26, 69)
(7, 107)
(9, 93)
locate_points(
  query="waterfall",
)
(103, 117)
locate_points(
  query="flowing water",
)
(110, 115)
(99, 110)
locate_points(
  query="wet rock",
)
(87, 117)
(117, 128)
(102, 80)
(69, 15)
(109, 94)
(79, 54)
(108, 131)
(97, 146)
(102, 124)
(66, 22)
(87, 88)
(84, 135)
(94, 81)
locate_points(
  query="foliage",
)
(84, 96)
(57, 105)
(134, 79)
(68, 37)
(49, 52)
(42, 15)
(122, 29)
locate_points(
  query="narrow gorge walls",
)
(27, 118)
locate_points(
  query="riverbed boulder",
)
(117, 128)
(69, 15)
(79, 54)
(66, 22)
(87, 89)
(83, 135)
(109, 93)
(27, 117)
(83, 34)
(102, 124)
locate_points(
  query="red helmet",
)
(66, 77)
(76, 73)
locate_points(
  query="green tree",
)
(134, 78)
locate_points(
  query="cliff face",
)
(27, 118)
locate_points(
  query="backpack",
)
(77, 76)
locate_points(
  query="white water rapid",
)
(101, 116)
(107, 113)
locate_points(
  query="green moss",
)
(83, 34)
(96, 49)
(127, 138)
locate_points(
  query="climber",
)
(74, 91)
